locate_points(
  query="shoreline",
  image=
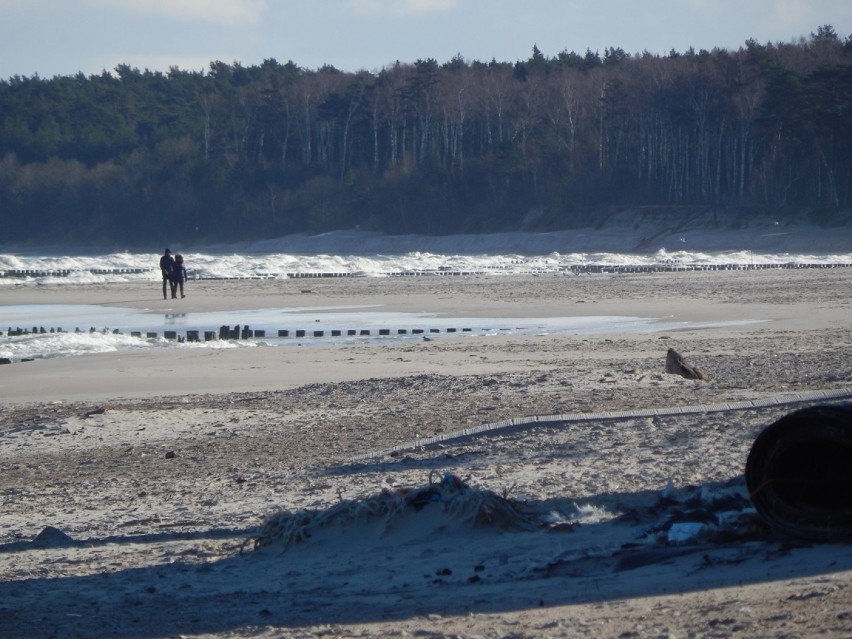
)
(498, 296)
(764, 301)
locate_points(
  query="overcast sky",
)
(63, 37)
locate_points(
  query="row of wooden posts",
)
(575, 269)
(245, 332)
(227, 332)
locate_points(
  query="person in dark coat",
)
(167, 264)
(178, 276)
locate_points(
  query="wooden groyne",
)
(576, 269)
(685, 268)
(22, 273)
(243, 332)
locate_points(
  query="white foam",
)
(366, 254)
(50, 345)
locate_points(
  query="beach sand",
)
(136, 487)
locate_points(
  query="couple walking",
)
(174, 273)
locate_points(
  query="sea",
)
(31, 332)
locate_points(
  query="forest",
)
(246, 152)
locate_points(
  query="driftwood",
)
(675, 364)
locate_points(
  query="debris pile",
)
(450, 494)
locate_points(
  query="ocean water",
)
(370, 255)
(68, 329)
(95, 329)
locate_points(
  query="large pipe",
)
(799, 473)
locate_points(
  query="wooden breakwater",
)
(242, 332)
(23, 273)
(575, 269)
(239, 332)
(686, 268)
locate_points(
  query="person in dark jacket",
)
(178, 276)
(167, 264)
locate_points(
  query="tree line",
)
(545, 143)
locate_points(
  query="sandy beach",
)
(271, 492)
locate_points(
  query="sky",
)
(63, 37)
